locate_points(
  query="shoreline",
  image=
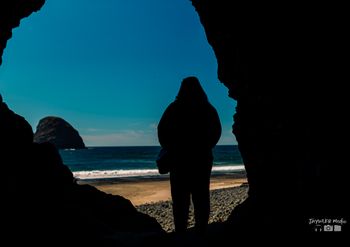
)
(153, 189)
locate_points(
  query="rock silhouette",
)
(11, 13)
(42, 196)
(58, 132)
(284, 67)
(287, 120)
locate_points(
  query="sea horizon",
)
(101, 162)
(122, 146)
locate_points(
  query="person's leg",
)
(201, 201)
(180, 194)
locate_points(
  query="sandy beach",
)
(154, 189)
(152, 196)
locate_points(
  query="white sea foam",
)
(98, 174)
(95, 174)
(228, 168)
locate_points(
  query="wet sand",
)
(154, 189)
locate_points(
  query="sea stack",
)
(58, 132)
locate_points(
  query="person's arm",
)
(164, 128)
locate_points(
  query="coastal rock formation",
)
(42, 197)
(283, 64)
(11, 13)
(42, 202)
(15, 131)
(58, 132)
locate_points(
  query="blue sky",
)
(110, 67)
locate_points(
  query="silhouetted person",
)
(189, 129)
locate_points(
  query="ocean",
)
(111, 162)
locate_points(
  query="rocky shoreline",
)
(223, 201)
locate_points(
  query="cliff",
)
(11, 13)
(43, 203)
(41, 196)
(58, 132)
(284, 65)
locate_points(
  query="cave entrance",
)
(110, 68)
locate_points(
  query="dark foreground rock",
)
(58, 132)
(42, 203)
(11, 13)
(286, 67)
(289, 120)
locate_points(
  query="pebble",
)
(222, 201)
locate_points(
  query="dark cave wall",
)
(285, 66)
(11, 12)
(42, 201)
(278, 62)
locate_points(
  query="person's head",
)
(191, 91)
